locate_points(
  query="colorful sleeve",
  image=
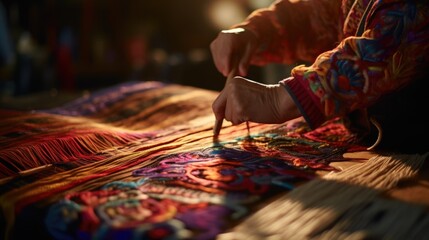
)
(359, 70)
(293, 30)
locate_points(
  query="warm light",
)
(255, 4)
(225, 13)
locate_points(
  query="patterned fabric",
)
(138, 161)
(355, 73)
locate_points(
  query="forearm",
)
(360, 70)
(290, 32)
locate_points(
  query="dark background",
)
(70, 46)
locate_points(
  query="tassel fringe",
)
(61, 150)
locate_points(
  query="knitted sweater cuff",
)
(308, 106)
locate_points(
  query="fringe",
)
(32, 140)
(343, 205)
(381, 172)
(88, 147)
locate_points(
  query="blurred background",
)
(66, 48)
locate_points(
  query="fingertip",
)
(217, 127)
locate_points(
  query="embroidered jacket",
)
(348, 71)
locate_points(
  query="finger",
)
(221, 65)
(244, 61)
(228, 110)
(219, 105)
(236, 114)
(218, 108)
(231, 75)
(217, 127)
(219, 56)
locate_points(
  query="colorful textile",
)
(139, 161)
(346, 71)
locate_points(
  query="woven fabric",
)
(138, 160)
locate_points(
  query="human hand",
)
(244, 100)
(233, 49)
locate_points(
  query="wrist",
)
(286, 106)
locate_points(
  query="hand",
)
(244, 100)
(233, 49)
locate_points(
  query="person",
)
(368, 66)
